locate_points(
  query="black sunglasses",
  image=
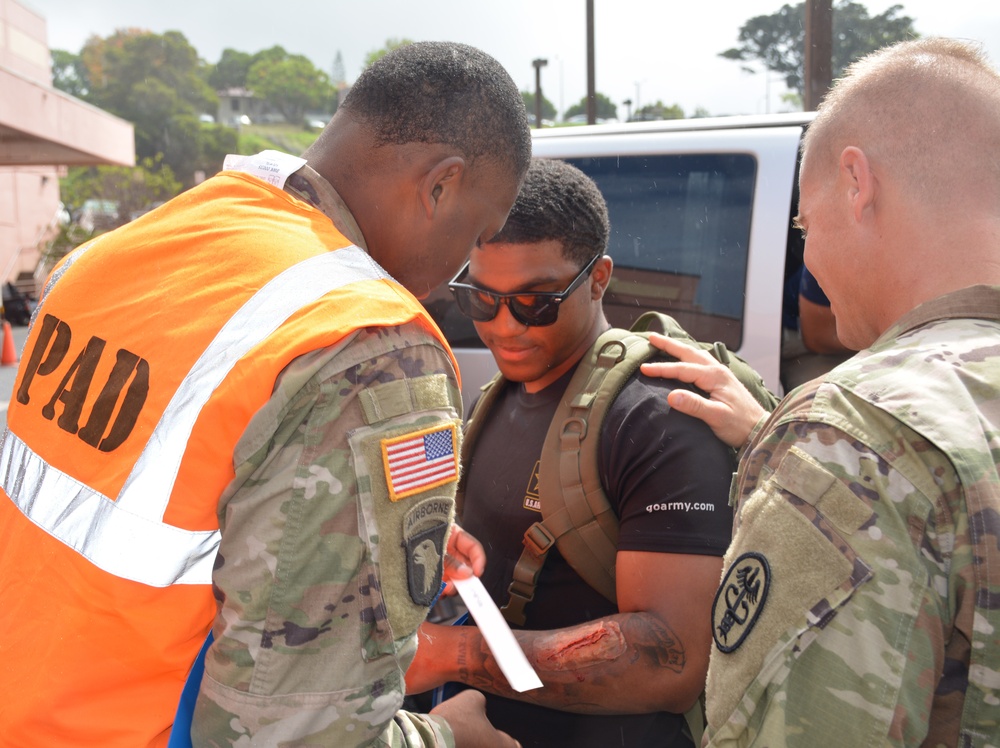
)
(530, 309)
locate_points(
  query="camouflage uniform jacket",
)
(861, 599)
(316, 622)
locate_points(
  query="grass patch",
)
(285, 138)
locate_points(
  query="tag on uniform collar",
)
(273, 167)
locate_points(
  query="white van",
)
(700, 214)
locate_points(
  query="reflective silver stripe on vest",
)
(148, 488)
(127, 537)
(116, 541)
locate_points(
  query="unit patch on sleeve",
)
(420, 461)
(424, 530)
(740, 600)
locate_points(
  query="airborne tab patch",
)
(421, 460)
(424, 530)
(740, 600)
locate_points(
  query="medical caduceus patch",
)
(740, 600)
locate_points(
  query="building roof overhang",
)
(40, 125)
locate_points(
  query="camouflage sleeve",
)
(832, 624)
(332, 546)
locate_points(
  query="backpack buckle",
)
(538, 539)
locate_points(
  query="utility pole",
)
(818, 68)
(539, 63)
(591, 90)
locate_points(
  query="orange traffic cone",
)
(9, 355)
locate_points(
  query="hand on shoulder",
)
(729, 409)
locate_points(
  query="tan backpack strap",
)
(750, 379)
(576, 514)
(538, 541)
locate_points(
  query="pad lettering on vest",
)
(125, 389)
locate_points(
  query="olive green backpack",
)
(577, 517)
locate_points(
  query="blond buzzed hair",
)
(926, 111)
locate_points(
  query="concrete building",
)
(238, 106)
(42, 131)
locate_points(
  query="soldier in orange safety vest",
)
(233, 414)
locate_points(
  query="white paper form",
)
(500, 639)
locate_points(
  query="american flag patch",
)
(419, 461)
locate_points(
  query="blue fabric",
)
(180, 734)
(810, 289)
(790, 300)
(803, 283)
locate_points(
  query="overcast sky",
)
(646, 50)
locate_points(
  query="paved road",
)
(9, 373)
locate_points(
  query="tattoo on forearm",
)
(655, 640)
(462, 659)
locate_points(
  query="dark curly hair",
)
(558, 201)
(444, 92)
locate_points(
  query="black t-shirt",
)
(668, 478)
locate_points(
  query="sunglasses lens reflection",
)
(534, 311)
(478, 305)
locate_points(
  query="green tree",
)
(130, 191)
(548, 108)
(155, 81)
(215, 142)
(659, 110)
(292, 85)
(338, 76)
(276, 53)
(132, 188)
(69, 74)
(778, 40)
(390, 44)
(793, 100)
(231, 70)
(606, 108)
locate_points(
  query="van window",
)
(680, 229)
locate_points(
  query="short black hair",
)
(444, 92)
(558, 201)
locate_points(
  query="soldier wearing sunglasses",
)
(613, 675)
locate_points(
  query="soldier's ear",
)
(440, 183)
(856, 170)
(600, 277)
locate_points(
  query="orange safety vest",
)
(152, 348)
